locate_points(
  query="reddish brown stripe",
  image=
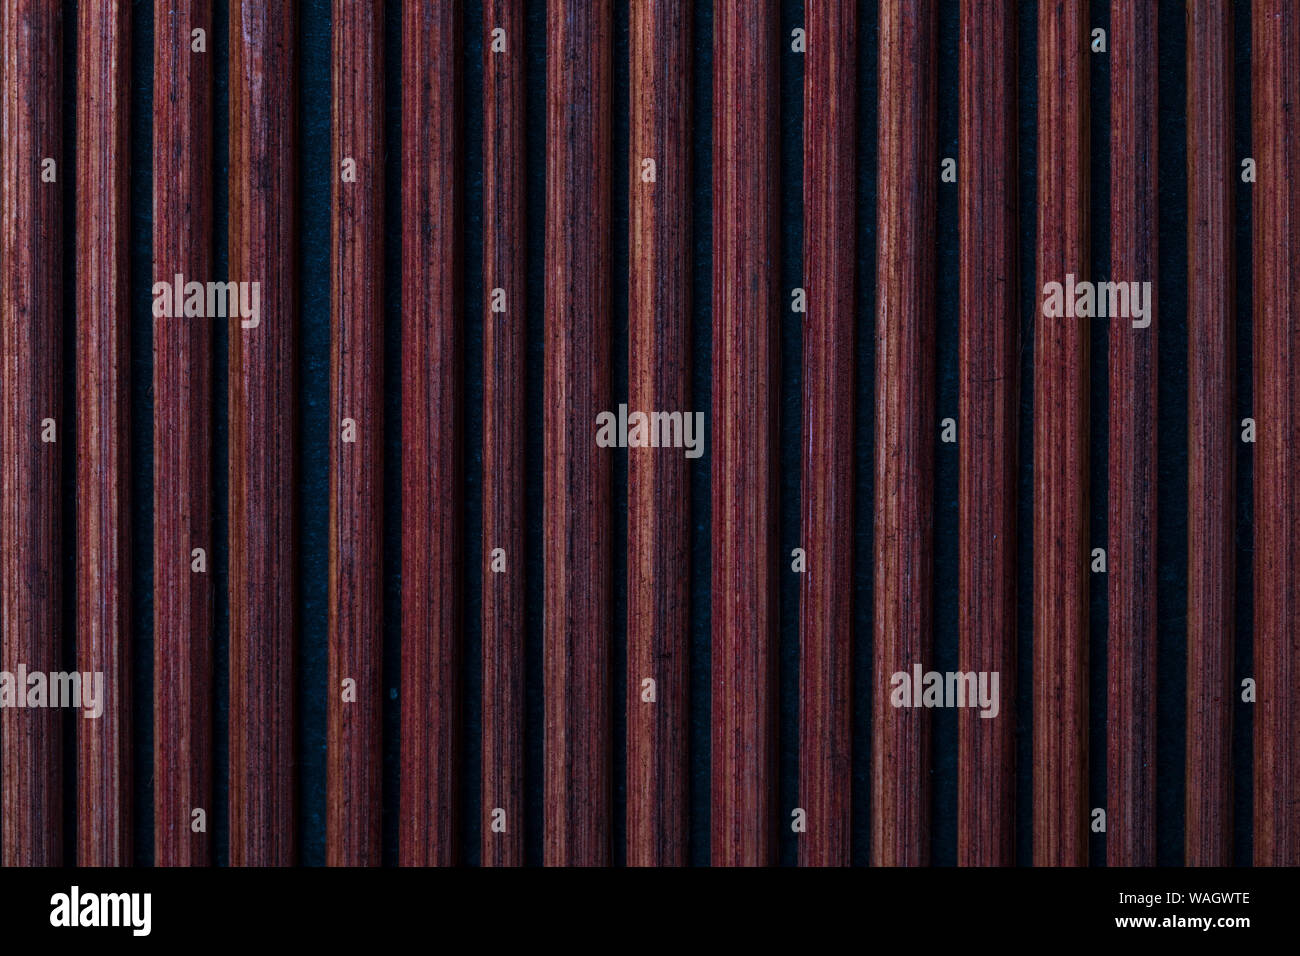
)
(503, 434)
(1131, 548)
(182, 442)
(1211, 433)
(1061, 546)
(988, 396)
(830, 258)
(432, 480)
(743, 433)
(103, 356)
(356, 467)
(1275, 92)
(658, 600)
(31, 391)
(900, 754)
(261, 246)
(576, 473)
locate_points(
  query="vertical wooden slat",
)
(900, 757)
(182, 391)
(32, 424)
(576, 474)
(1275, 92)
(357, 446)
(503, 434)
(103, 517)
(261, 388)
(432, 466)
(988, 397)
(829, 349)
(743, 433)
(1131, 545)
(658, 567)
(1211, 434)
(1061, 547)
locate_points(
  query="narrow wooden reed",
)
(503, 435)
(32, 424)
(829, 351)
(1133, 477)
(352, 826)
(988, 403)
(576, 473)
(658, 522)
(743, 434)
(1061, 545)
(905, 436)
(183, 548)
(1212, 166)
(1275, 89)
(104, 784)
(433, 484)
(261, 242)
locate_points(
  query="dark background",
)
(313, 398)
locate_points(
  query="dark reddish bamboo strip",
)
(31, 391)
(1211, 433)
(576, 474)
(825, 599)
(432, 466)
(1131, 548)
(1275, 92)
(503, 435)
(356, 467)
(103, 415)
(658, 568)
(261, 246)
(743, 433)
(1061, 547)
(900, 755)
(182, 393)
(988, 415)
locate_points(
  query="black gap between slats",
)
(790, 425)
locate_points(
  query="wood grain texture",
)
(1061, 545)
(1133, 476)
(182, 439)
(261, 242)
(1275, 96)
(503, 435)
(1211, 434)
(904, 454)
(433, 490)
(31, 393)
(103, 477)
(356, 466)
(576, 517)
(658, 522)
(988, 404)
(829, 352)
(743, 433)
